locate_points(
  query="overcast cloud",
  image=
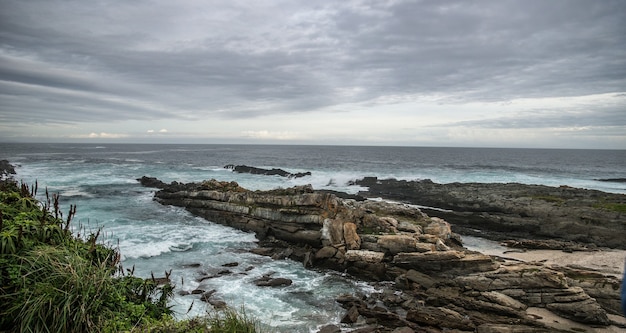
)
(529, 73)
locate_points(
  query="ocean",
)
(101, 179)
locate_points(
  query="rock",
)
(206, 296)
(6, 169)
(151, 182)
(394, 244)
(403, 330)
(273, 282)
(503, 300)
(351, 316)
(420, 278)
(439, 228)
(351, 238)
(271, 172)
(438, 284)
(332, 232)
(330, 329)
(326, 252)
(231, 264)
(440, 246)
(409, 227)
(586, 311)
(519, 211)
(440, 317)
(364, 256)
(217, 303)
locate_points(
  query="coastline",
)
(427, 279)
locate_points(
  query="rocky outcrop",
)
(7, 170)
(515, 211)
(428, 280)
(267, 172)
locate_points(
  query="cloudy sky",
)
(526, 73)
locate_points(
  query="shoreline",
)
(430, 279)
(553, 217)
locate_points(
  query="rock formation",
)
(7, 170)
(267, 172)
(429, 281)
(562, 215)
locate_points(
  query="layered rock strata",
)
(431, 283)
(561, 217)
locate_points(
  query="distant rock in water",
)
(6, 169)
(267, 172)
(612, 180)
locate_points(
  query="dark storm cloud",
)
(189, 60)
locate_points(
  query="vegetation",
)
(549, 198)
(612, 206)
(53, 281)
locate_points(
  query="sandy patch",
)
(610, 262)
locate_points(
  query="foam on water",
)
(155, 238)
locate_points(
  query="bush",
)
(52, 281)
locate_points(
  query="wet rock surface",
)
(7, 170)
(426, 280)
(267, 172)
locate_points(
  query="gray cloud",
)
(189, 60)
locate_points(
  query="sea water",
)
(152, 238)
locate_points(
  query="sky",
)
(526, 73)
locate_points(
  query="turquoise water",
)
(101, 181)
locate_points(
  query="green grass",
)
(549, 198)
(612, 206)
(52, 281)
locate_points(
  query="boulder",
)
(351, 238)
(364, 256)
(440, 317)
(394, 244)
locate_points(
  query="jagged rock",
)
(364, 256)
(503, 300)
(409, 227)
(383, 241)
(151, 182)
(519, 211)
(420, 278)
(332, 232)
(351, 316)
(6, 169)
(403, 330)
(586, 311)
(326, 252)
(439, 228)
(217, 303)
(273, 282)
(604, 289)
(351, 238)
(270, 172)
(206, 296)
(394, 244)
(440, 317)
(521, 276)
(330, 329)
